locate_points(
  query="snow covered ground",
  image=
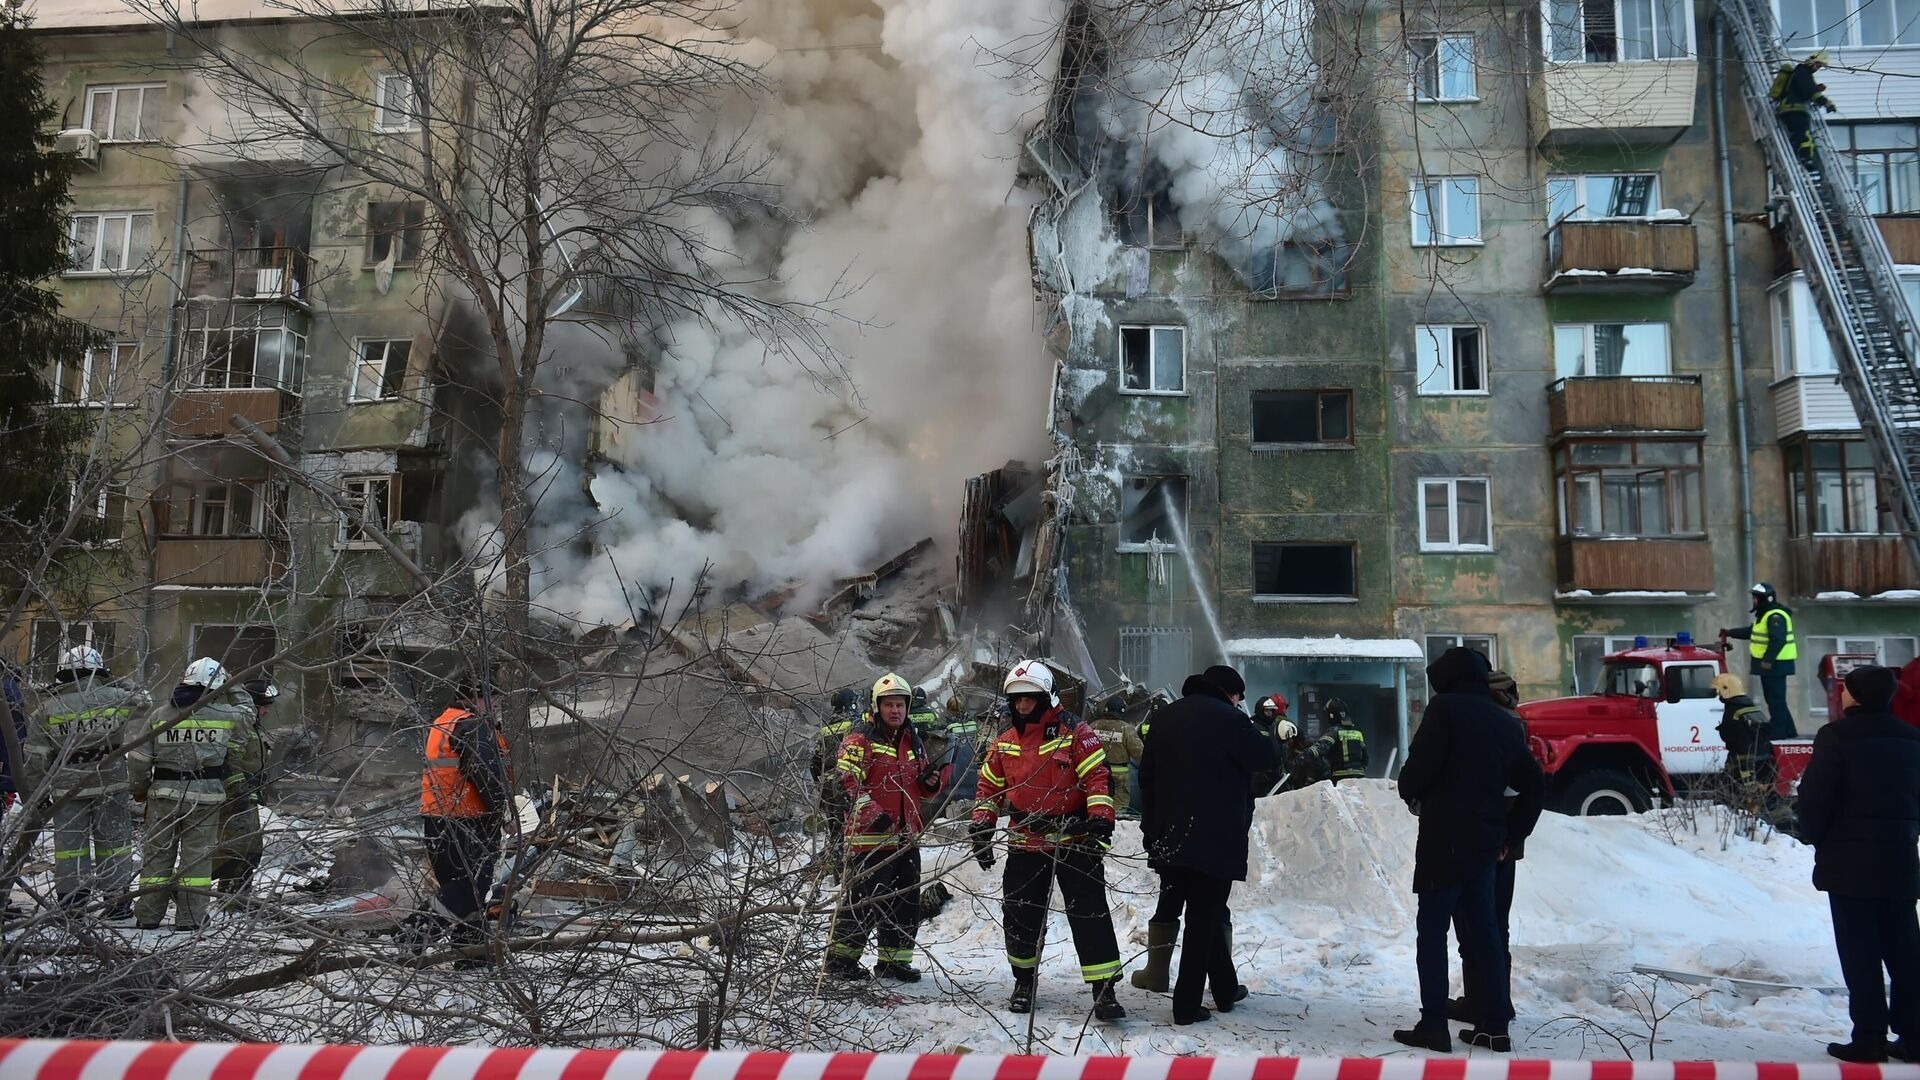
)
(1324, 938)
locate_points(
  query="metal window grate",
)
(1157, 656)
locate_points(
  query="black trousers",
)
(463, 851)
(1503, 874)
(1799, 125)
(1028, 885)
(883, 893)
(1204, 956)
(1773, 687)
(1870, 934)
(1469, 905)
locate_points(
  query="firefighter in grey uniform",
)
(241, 841)
(207, 736)
(75, 742)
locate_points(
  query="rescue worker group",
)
(1060, 783)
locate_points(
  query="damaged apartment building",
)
(242, 277)
(1498, 399)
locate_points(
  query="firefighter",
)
(1796, 90)
(843, 709)
(206, 738)
(925, 721)
(466, 797)
(884, 769)
(241, 841)
(1268, 716)
(1047, 772)
(1744, 728)
(1112, 729)
(963, 741)
(75, 742)
(1341, 752)
(1771, 644)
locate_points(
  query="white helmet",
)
(1285, 731)
(82, 658)
(1030, 677)
(206, 672)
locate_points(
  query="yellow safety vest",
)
(1789, 649)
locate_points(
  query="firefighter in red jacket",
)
(1048, 773)
(884, 768)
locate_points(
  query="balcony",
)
(204, 412)
(1626, 403)
(1640, 103)
(262, 274)
(1651, 569)
(1620, 257)
(204, 561)
(1812, 403)
(1862, 565)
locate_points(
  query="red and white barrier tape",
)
(50, 1059)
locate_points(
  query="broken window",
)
(381, 369)
(397, 106)
(1303, 416)
(129, 113)
(1153, 359)
(1144, 214)
(1301, 270)
(1158, 657)
(1151, 508)
(391, 223)
(50, 638)
(1310, 570)
(238, 648)
(1454, 515)
(1442, 67)
(372, 496)
(1449, 359)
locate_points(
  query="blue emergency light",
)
(1640, 641)
(1683, 639)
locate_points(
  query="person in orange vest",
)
(884, 769)
(466, 797)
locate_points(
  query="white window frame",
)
(1850, 26)
(1452, 641)
(1153, 358)
(102, 219)
(1798, 337)
(260, 492)
(112, 92)
(1583, 199)
(359, 487)
(360, 366)
(1441, 229)
(1587, 351)
(1548, 27)
(121, 356)
(76, 632)
(383, 120)
(1440, 363)
(1439, 57)
(1453, 543)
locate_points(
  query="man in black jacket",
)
(1466, 756)
(1196, 789)
(1859, 807)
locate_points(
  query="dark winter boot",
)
(1225, 998)
(121, 912)
(840, 967)
(1435, 1039)
(1105, 1007)
(75, 901)
(1901, 1050)
(887, 969)
(1160, 940)
(1197, 1016)
(1497, 1041)
(1863, 1053)
(1022, 1000)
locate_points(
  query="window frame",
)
(1352, 596)
(1566, 484)
(289, 376)
(1549, 39)
(382, 118)
(354, 397)
(1847, 135)
(199, 648)
(1153, 358)
(1588, 353)
(1805, 491)
(118, 355)
(1417, 63)
(132, 267)
(1583, 199)
(1320, 441)
(1453, 544)
(1430, 332)
(112, 92)
(262, 493)
(1850, 24)
(1440, 225)
(64, 639)
(345, 537)
(412, 236)
(1451, 641)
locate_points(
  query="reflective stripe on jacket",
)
(76, 735)
(881, 775)
(445, 790)
(1762, 637)
(1052, 771)
(191, 758)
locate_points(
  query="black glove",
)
(1829, 106)
(982, 837)
(929, 774)
(1098, 830)
(883, 823)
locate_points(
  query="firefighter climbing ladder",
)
(1849, 271)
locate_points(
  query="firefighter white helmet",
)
(1285, 731)
(1030, 677)
(889, 685)
(206, 672)
(82, 658)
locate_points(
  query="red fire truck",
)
(1649, 731)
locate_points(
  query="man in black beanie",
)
(1196, 808)
(1859, 806)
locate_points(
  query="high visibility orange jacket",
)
(881, 772)
(466, 772)
(1050, 771)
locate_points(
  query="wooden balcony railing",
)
(1634, 564)
(205, 412)
(218, 560)
(1626, 403)
(1864, 565)
(1639, 255)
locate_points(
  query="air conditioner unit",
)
(82, 143)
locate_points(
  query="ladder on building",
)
(1848, 269)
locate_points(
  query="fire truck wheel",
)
(1597, 792)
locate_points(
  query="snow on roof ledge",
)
(1398, 650)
